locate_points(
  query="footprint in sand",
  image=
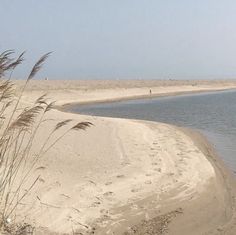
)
(179, 154)
(135, 190)
(157, 169)
(108, 183)
(120, 176)
(41, 168)
(154, 163)
(104, 211)
(134, 207)
(65, 196)
(108, 194)
(105, 214)
(41, 180)
(95, 204)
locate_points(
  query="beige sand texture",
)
(127, 176)
(82, 91)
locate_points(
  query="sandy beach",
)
(91, 91)
(127, 176)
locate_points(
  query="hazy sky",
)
(123, 38)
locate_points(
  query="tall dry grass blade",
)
(35, 69)
(38, 66)
(50, 106)
(26, 118)
(6, 90)
(19, 133)
(78, 126)
(6, 53)
(17, 62)
(5, 60)
(22, 197)
(41, 100)
(81, 126)
(61, 124)
(4, 85)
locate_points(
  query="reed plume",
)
(18, 128)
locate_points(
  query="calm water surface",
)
(213, 114)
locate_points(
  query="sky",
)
(123, 39)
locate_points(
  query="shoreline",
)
(140, 180)
(224, 175)
(175, 215)
(85, 92)
(142, 97)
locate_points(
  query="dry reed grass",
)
(18, 129)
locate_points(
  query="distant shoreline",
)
(141, 97)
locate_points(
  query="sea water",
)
(213, 114)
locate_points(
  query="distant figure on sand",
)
(150, 91)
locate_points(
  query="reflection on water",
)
(214, 114)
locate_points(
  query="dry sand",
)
(127, 176)
(73, 91)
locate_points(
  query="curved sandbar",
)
(120, 172)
